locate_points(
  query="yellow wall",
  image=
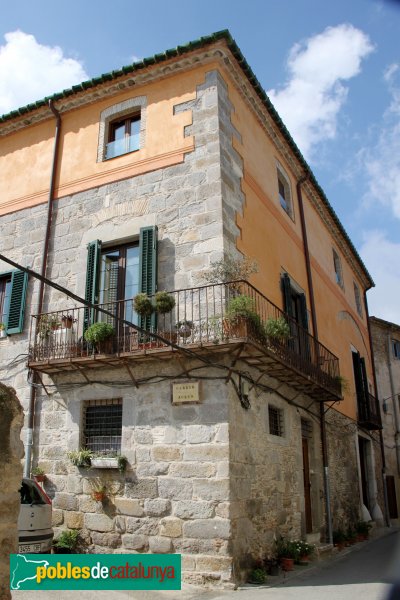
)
(269, 235)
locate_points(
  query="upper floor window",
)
(124, 136)
(338, 268)
(122, 128)
(396, 348)
(5, 293)
(13, 286)
(357, 296)
(285, 194)
(275, 418)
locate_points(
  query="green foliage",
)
(277, 329)
(2, 327)
(38, 471)
(257, 576)
(344, 384)
(289, 548)
(68, 539)
(142, 305)
(241, 306)
(98, 332)
(47, 323)
(164, 302)
(81, 458)
(339, 537)
(362, 527)
(230, 269)
(122, 464)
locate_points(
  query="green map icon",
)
(23, 570)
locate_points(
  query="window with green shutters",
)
(13, 286)
(118, 273)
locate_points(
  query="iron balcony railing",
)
(369, 414)
(210, 314)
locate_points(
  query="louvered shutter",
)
(303, 311)
(287, 294)
(92, 280)
(148, 269)
(19, 284)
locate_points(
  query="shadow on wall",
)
(11, 452)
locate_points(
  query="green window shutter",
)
(287, 295)
(19, 284)
(148, 269)
(92, 280)
(303, 311)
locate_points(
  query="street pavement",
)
(361, 572)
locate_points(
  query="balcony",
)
(369, 414)
(203, 321)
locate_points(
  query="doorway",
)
(306, 435)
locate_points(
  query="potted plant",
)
(184, 328)
(339, 539)
(99, 490)
(257, 576)
(66, 321)
(67, 542)
(241, 318)
(47, 324)
(143, 305)
(287, 552)
(100, 334)
(164, 302)
(305, 550)
(38, 474)
(81, 458)
(362, 530)
(351, 537)
(109, 461)
(277, 329)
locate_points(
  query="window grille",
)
(306, 428)
(102, 426)
(275, 416)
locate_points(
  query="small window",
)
(5, 296)
(396, 348)
(285, 195)
(123, 136)
(102, 426)
(357, 296)
(275, 417)
(338, 268)
(306, 429)
(13, 286)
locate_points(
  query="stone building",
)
(386, 349)
(245, 412)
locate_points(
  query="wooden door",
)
(307, 485)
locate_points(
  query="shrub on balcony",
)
(142, 305)
(229, 269)
(277, 329)
(241, 316)
(164, 302)
(98, 332)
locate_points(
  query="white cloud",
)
(314, 94)
(382, 160)
(382, 258)
(29, 71)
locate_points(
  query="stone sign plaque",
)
(186, 392)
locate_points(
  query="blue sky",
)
(331, 69)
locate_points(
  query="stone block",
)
(222, 433)
(96, 522)
(213, 563)
(146, 526)
(188, 562)
(119, 524)
(206, 452)
(55, 420)
(65, 501)
(193, 510)
(73, 519)
(135, 542)
(211, 489)
(207, 529)
(57, 517)
(143, 454)
(74, 484)
(196, 469)
(87, 504)
(129, 507)
(157, 507)
(166, 453)
(108, 540)
(175, 489)
(144, 488)
(152, 469)
(171, 527)
(143, 436)
(160, 545)
(222, 510)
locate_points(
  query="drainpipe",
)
(395, 405)
(32, 397)
(315, 331)
(385, 496)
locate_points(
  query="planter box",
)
(104, 463)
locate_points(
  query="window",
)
(102, 426)
(338, 268)
(122, 128)
(357, 296)
(285, 196)
(396, 348)
(275, 417)
(117, 274)
(123, 136)
(13, 287)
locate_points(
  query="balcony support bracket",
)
(135, 383)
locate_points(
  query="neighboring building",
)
(386, 348)
(159, 170)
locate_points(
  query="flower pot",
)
(98, 496)
(39, 478)
(235, 328)
(287, 564)
(67, 322)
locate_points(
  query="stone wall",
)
(11, 452)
